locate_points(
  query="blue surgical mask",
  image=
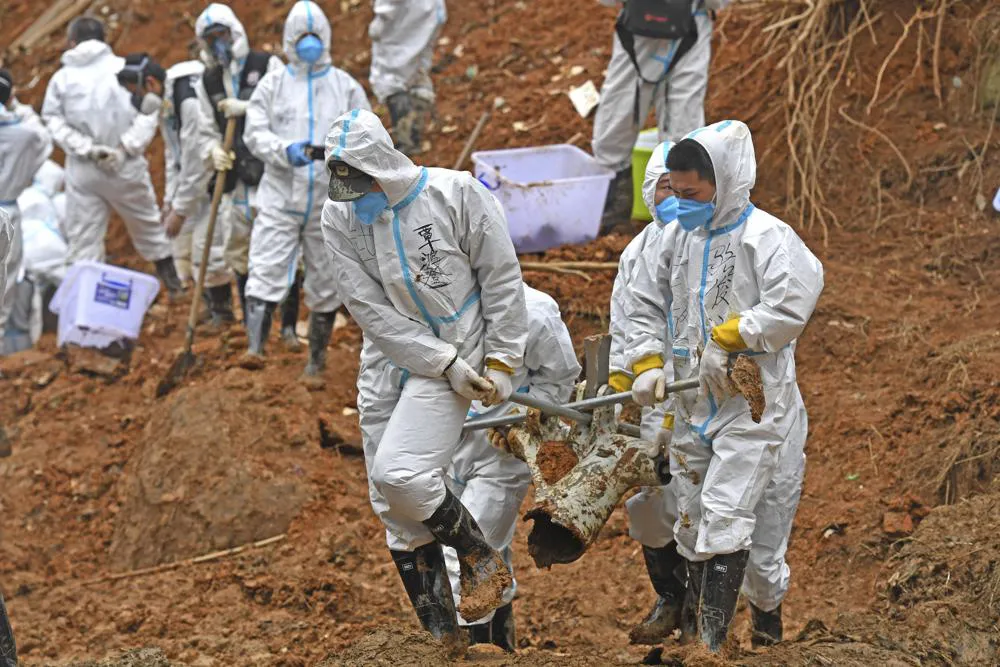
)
(222, 50)
(309, 49)
(694, 214)
(666, 210)
(368, 207)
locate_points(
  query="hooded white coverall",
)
(296, 103)
(490, 483)
(187, 179)
(24, 146)
(678, 97)
(433, 275)
(239, 204)
(653, 510)
(6, 241)
(737, 482)
(403, 34)
(84, 107)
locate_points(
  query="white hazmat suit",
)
(85, 108)
(748, 264)
(432, 276)
(296, 103)
(24, 146)
(403, 33)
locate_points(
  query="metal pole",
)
(613, 399)
(530, 401)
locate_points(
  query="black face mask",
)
(222, 51)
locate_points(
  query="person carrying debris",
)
(104, 135)
(403, 34)
(289, 114)
(232, 71)
(425, 265)
(741, 282)
(653, 510)
(660, 56)
(25, 144)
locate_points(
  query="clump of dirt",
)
(554, 460)
(205, 475)
(388, 647)
(746, 380)
(138, 657)
(488, 595)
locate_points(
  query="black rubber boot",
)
(241, 291)
(425, 579)
(480, 633)
(502, 629)
(692, 599)
(618, 206)
(258, 324)
(290, 316)
(220, 305)
(167, 272)
(320, 328)
(422, 112)
(662, 564)
(484, 575)
(767, 628)
(8, 649)
(720, 590)
(402, 113)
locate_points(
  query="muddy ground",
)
(895, 547)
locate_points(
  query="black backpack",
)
(247, 168)
(659, 19)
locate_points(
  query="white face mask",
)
(151, 103)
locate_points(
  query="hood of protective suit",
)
(656, 167)
(306, 18)
(184, 68)
(218, 13)
(359, 139)
(85, 53)
(49, 178)
(730, 147)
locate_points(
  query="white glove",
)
(713, 374)
(231, 107)
(376, 28)
(107, 158)
(650, 388)
(501, 387)
(467, 382)
(222, 159)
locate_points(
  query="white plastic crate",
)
(551, 194)
(98, 304)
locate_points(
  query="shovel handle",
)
(220, 187)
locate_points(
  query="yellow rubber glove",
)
(620, 381)
(727, 335)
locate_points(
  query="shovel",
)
(186, 360)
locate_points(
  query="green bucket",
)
(644, 145)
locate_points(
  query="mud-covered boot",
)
(258, 321)
(502, 632)
(720, 590)
(320, 328)
(692, 598)
(290, 316)
(422, 112)
(662, 564)
(484, 575)
(425, 579)
(167, 272)
(241, 292)
(220, 305)
(8, 650)
(618, 206)
(403, 117)
(767, 627)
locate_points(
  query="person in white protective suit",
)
(492, 483)
(742, 282)
(232, 71)
(187, 203)
(290, 113)
(425, 265)
(670, 75)
(93, 119)
(24, 146)
(403, 34)
(653, 510)
(8, 650)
